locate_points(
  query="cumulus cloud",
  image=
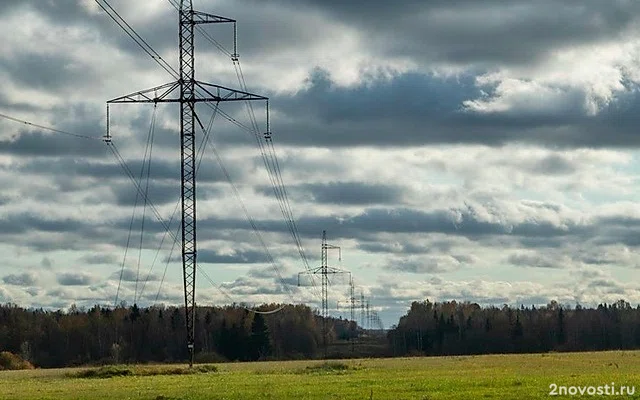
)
(24, 279)
(536, 260)
(75, 279)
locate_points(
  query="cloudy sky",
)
(481, 151)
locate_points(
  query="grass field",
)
(467, 377)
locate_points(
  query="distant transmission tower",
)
(368, 316)
(351, 300)
(324, 270)
(191, 92)
(362, 315)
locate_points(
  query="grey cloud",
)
(401, 220)
(35, 143)
(534, 260)
(63, 11)
(464, 258)
(261, 273)
(61, 293)
(158, 193)
(99, 258)
(278, 277)
(247, 286)
(75, 279)
(345, 193)
(171, 298)
(412, 97)
(43, 234)
(398, 248)
(161, 169)
(26, 222)
(206, 256)
(46, 263)
(133, 275)
(48, 72)
(406, 246)
(553, 164)
(70, 13)
(619, 230)
(267, 272)
(422, 265)
(451, 32)
(608, 284)
(410, 109)
(413, 109)
(466, 31)
(24, 279)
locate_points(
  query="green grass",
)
(468, 377)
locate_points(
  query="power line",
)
(272, 165)
(47, 128)
(247, 215)
(139, 40)
(144, 195)
(200, 155)
(149, 150)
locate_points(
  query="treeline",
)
(453, 328)
(157, 334)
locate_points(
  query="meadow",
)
(528, 376)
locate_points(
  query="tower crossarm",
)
(200, 17)
(158, 94)
(319, 271)
(211, 92)
(205, 92)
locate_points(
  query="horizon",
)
(450, 151)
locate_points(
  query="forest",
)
(129, 334)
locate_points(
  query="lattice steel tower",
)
(325, 270)
(191, 92)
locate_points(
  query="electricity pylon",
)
(351, 300)
(324, 270)
(190, 92)
(376, 321)
(368, 316)
(362, 315)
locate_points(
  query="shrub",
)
(120, 370)
(105, 372)
(10, 361)
(335, 367)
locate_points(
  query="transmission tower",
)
(368, 316)
(362, 315)
(324, 270)
(189, 93)
(377, 322)
(351, 300)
